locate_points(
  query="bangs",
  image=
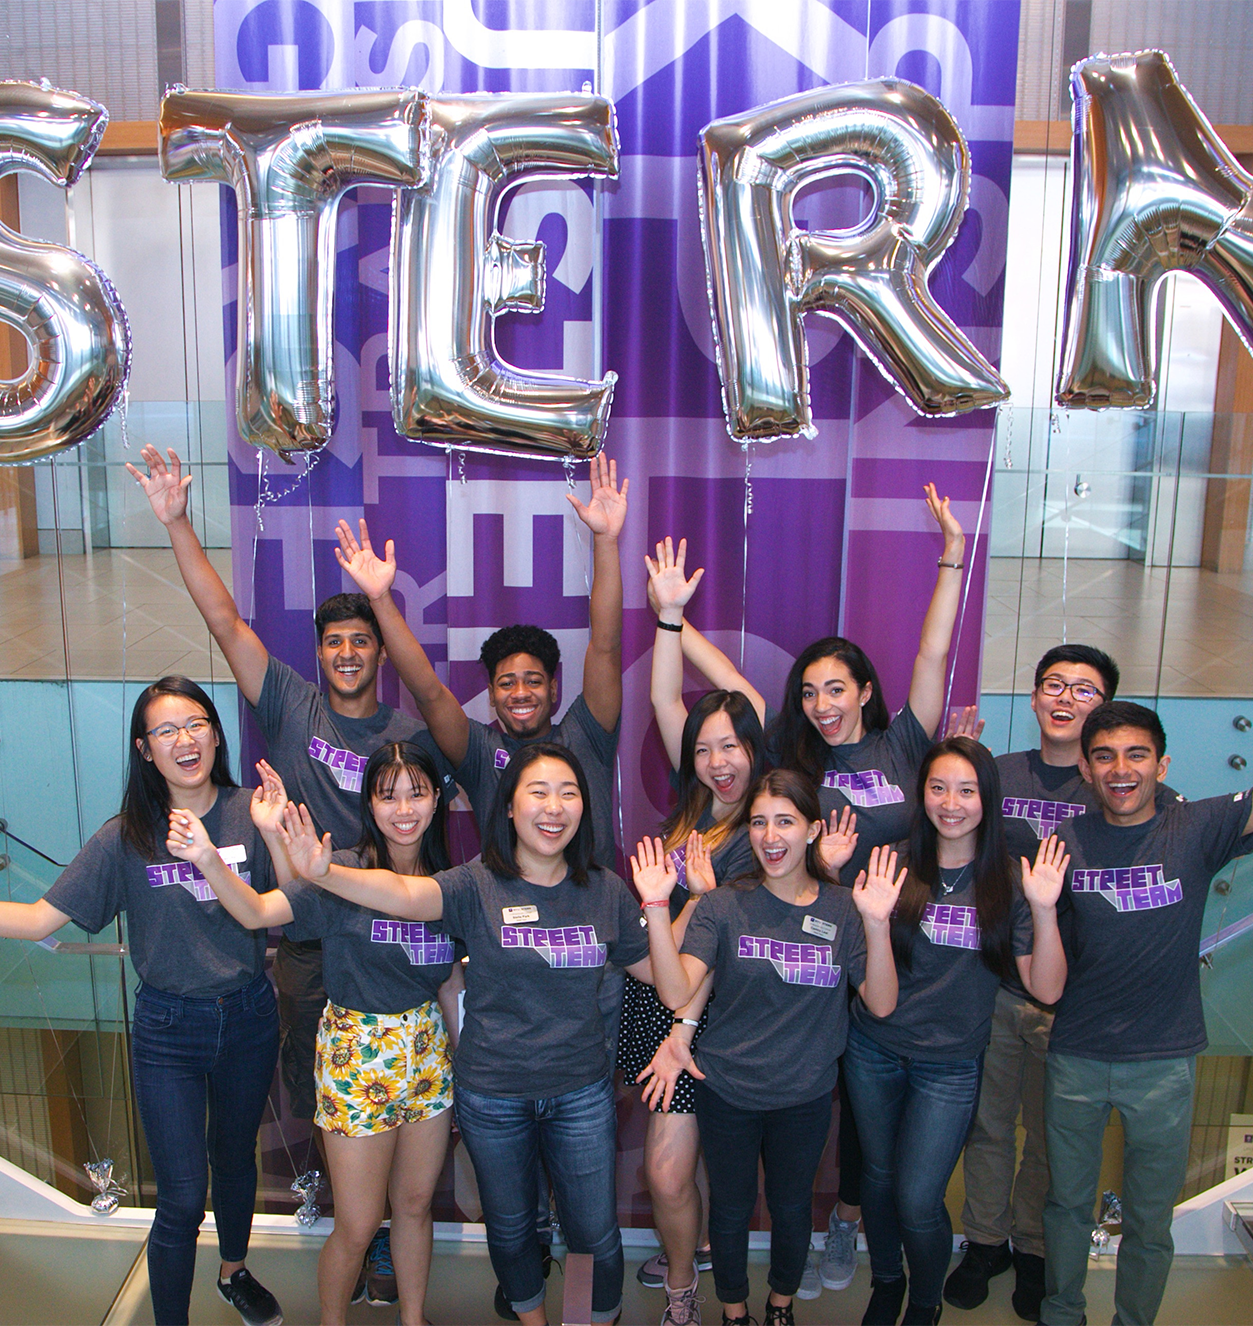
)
(385, 783)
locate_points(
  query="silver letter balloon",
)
(1156, 191)
(765, 273)
(452, 273)
(78, 339)
(290, 158)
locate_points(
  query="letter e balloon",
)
(75, 327)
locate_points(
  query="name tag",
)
(234, 855)
(519, 915)
(813, 925)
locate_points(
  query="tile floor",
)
(126, 614)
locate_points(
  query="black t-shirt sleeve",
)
(605, 744)
(282, 688)
(1022, 931)
(1218, 828)
(906, 735)
(855, 949)
(632, 942)
(460, 895)
(313, 914)
(701, 937)
(90, 889)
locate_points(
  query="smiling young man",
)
(318, 742)
(1129, 1024)
(1003, 1212)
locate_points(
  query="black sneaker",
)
(967, 1287)
(1029, 1289)
(251, 1299)
(886, 1297)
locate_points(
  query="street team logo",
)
(559, 946)
(1132, 889)
(426, 948)
(1043, 816)
(184, 873)
(951, 926)
(797, 964)
(346, 768)
(870, 787)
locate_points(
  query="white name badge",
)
(234, 855)
(518, 915)
(813, 925)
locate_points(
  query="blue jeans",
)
(912, 1117)
(576, 1136)
(203, 1069)
(789, 1143)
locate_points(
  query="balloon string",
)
(974, 550)
(1055, 427)
(748, 511)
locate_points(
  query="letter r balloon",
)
(1156, 191)
(452, 273)
(61, 302)
(765, 274)
(290, 159)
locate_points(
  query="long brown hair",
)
(994, 874)
(787, 785)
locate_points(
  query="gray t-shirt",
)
(532, 1026)
(877, 775)
(182, 940)
(321, 755)
(489, 750)
(1130, 917)
(779, 1019)
(371, 962)
(944, 1008)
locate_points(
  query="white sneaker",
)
(683, 1305)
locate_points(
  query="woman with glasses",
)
(205, 1037)
(382, 1067)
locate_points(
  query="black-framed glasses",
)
(1082, 692)
(167, 733)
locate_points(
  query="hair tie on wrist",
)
(668, 626)
(656, 902)
(685, 1022)
(953, 566)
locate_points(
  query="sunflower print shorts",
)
(375, 1071)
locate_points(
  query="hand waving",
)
(310, 856)
(950, 526)
(877, 889)
(653, 871)
(839, 840)
(269, 800)
(668, 585)
(699, 866)
(1042, 882)
(606, 508)
(965, 722)
(373, 577)
(164, 486)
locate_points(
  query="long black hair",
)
(994, 874)
(500, 838)
(794, 741)
(146, 801)
(791, 786)
(694, 797)
(384, 767)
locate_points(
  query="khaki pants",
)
(1000, 1206)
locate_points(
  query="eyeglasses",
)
(1082, 692)
(167, 733)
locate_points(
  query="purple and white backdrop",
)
(800, 538)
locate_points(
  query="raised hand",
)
(965, 722)
(668, 585)
(950, 526)
(660, 1075)
(187, 838)
(373, 577)
(699, 866)
(879, 886)
(269, 800)
(653, 871)
(606, 508)
(310, 856)
(165, 486)
(839, 839)
(1042, 882)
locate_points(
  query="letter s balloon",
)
(765, 273)
(1156, 191)
(62, 303)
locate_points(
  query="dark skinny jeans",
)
(203, 1069)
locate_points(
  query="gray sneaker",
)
(839, 1259)
(683, 1305)
(811, 1283)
